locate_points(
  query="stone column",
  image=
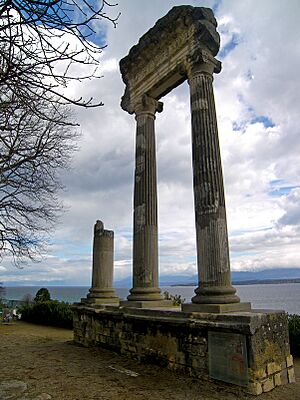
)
(145, 291)
(209, 201)
(102, 291)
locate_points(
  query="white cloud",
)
(257, 107)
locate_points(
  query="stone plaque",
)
(227, 354)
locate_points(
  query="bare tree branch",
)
(33, 150)
(41, 43)
(49, 37)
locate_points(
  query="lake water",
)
(285, 296)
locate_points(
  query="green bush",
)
(51, 312)
(42, 295)
(176, 299)
(2, 292)
(294, 332)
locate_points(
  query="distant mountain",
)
(274, 273)
(239, 277)
(124, 283)
(164, 280)
(41, 284)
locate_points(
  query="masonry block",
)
(255, 388)
(268, 385)
(252, 352)
(291, 375)
(289, 361)
(277, 379)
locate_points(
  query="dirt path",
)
(41, 363)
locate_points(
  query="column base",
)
(150, 294)
(147, 304)
(215, 308)
(215, 295)
(99, 301)
(101, 296)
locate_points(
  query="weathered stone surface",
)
(12, 389)
(258, 374)
(215, 308)
(209, 199)
(277, 379)
(157, 63)
(270, 340)
(145, 236)
(289, 361)
(284, 377)
(156, 302)
(228, 357)
(268, 384)
(180, 46)
(255, 388)
(272, 368)
(102, 291)
(178, 340)
(291, 375)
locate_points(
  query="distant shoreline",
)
(251, 282)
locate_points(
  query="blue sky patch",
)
(191, 259)
(277, 182)
(281, 191)
(267, 122)
(237, 254)
(242, 125)
(216, 6)
(229, 46)
(240, 232)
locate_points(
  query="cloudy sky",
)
(257, 99)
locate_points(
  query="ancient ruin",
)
(102, 291)
(215, 336)
(181, 46)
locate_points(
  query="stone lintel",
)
(157, 64)
(146, 304)
(216, 308)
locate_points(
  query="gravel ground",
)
(40, 363)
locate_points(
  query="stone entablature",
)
(159, 61)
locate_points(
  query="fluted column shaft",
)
(145, 235)
(210, 213)
(103, 253)
(102, 291)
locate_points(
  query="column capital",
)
(202, 62)
(147, 105)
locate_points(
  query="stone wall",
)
(179, 341)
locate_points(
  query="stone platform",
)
(247, 349)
